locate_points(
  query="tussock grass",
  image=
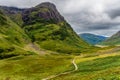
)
(103, 67)
(34, 67)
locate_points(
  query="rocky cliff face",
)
(45, 12)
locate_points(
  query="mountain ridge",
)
(13, 13)
(46, 11)
(92, 38)
(113, 40)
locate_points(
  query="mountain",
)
(43, 25)
(113, 40)
(12, 37)
(46, 27)
(13, 13)
(92, 39)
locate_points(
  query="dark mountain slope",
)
(48, 28)
(92, 39)
(113, 40)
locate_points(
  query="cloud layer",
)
(91, 16)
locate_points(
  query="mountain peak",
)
(46, 4)
(44, 12)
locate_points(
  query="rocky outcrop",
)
(45, 12)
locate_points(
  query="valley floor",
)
(61, 67)
(101, 67)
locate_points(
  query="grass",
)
(113, 40)
(89, 58)
(103, 67)
(57, 37)
(34, 67)
(11, 35)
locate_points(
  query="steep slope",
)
(48, 28)
(92, 39)
(113, 40)
(13, 13)
(11, 37)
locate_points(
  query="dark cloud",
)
(114, 13)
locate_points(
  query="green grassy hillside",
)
(56, 37)
(11, 38)
(13, 13)
(102, 67)
(113, 40)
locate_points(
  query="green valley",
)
(38, 43)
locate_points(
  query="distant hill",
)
(92, 39)
(113, 40)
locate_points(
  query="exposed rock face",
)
(45, 12)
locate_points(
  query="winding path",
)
(54, 76)
(81, 60)
(75, 65)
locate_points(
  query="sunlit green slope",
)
(11, 37)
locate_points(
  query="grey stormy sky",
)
(85, 16)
